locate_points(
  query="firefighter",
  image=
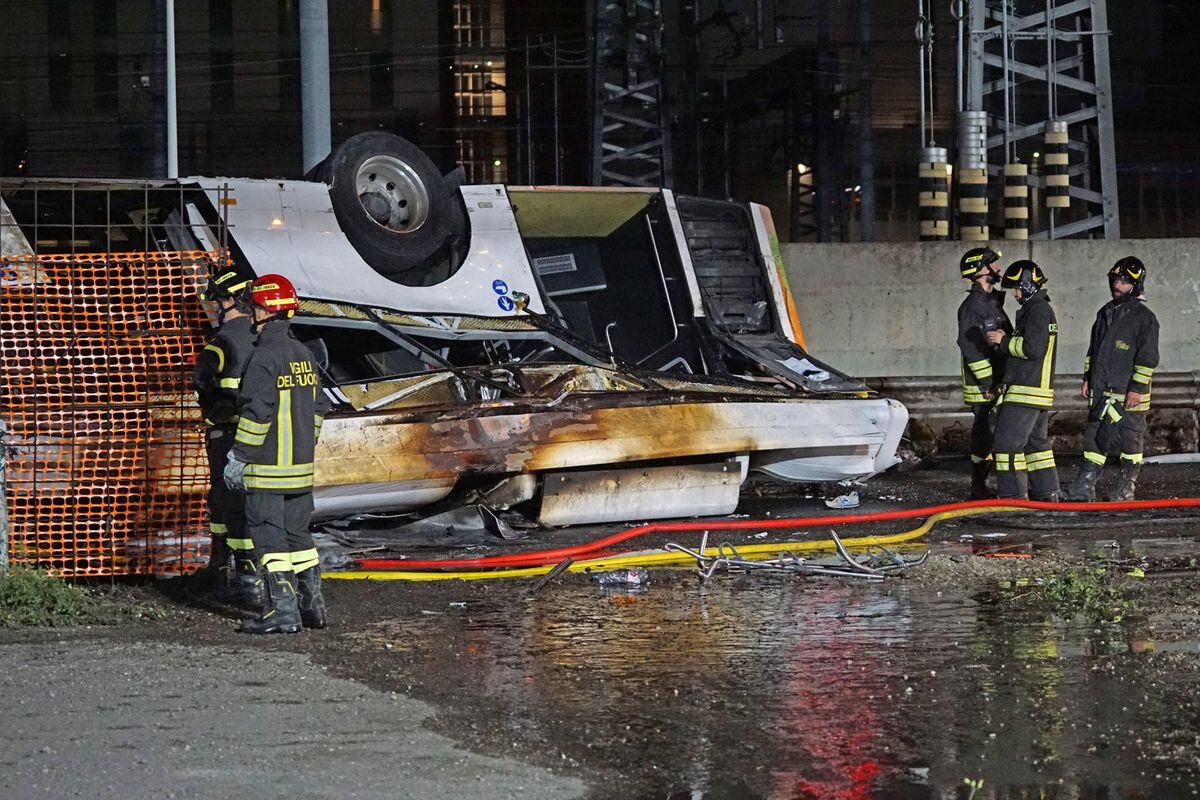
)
(280, 413)
(982, 310)
(1021, 446)
(216, 377)
(1121, 358)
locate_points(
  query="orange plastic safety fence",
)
(106, 472)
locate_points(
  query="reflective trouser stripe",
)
(277, 562)
(979, 459)
(218, 528)
(1006, 462)
(1095, 458)
(240, 544)
(1133, 458)
(1041, 460)
(304, 559)
(1110, 411)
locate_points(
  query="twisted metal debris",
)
(874, 565)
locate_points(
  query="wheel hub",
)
(392, 194)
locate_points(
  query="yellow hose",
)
(665, 558)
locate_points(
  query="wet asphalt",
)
(746, 686)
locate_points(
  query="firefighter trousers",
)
(1111, 430)
(226, 508)
(1024, 461)
(981, 431)
(278, 525)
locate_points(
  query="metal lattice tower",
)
(630, 140)
(1032, 63)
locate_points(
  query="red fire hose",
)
(593, 548)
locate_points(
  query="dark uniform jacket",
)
(982, 365)
(217, 373)
(1029, 373)
(1123, 352)
(281, 408)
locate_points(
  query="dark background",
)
(81, 93)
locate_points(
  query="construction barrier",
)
(106, 472)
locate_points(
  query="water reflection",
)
(782, 689)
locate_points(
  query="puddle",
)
(779, 688)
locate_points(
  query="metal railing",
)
(926, 396)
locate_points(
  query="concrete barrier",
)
(888, 309)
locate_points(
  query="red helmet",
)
(274, 293)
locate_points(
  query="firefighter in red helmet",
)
(280, 410)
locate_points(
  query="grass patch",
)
(1095, 592)
(32, 598)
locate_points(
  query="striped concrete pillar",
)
(972, 176)
(972, 205)
(1016, 201)
(934, 211)
(1056, 162)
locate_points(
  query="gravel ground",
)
(89, 717)
(752, 687)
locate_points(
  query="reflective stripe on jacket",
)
(1029, 373)
(217, 373)
(1122, 353)
(280, 412)
(982, 365)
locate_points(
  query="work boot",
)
(282, 614)
(312, 604)
(1127, 483)
(245, 588)
(1083, 488)
(251, 587)
(218, 572)
(979, 487)
(1052, 497)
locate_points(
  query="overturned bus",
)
(585, 354)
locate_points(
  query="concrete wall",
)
(888, 309)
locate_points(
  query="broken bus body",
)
(595, 354)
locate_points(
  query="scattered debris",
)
(877, 563)
(623, 577)
(848, 500)
(559, 569)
